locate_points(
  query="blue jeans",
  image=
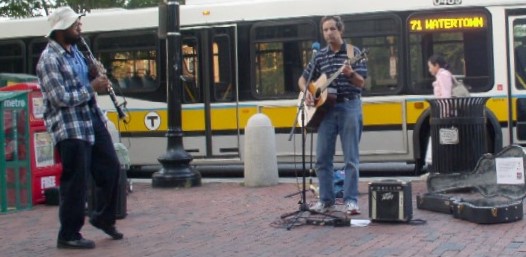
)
(344, 119)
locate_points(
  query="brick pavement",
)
(228, 219)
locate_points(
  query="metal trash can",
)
(94, 193)
(458, 133)
(122, 188)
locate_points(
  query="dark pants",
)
(79, 160)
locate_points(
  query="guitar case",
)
(494, 203)
(484, 177)
(488, 210)
(442, 203)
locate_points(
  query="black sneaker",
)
(75, 244)
(109, 230)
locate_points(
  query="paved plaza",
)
(225, 218)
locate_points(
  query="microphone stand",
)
(303, 202)
(315, 48)
(301, 110)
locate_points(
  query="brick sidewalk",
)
(227, 219)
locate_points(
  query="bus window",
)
(380, 35)
(519, 35)
(282, 50)
(35, 49)
(130, 60)
(463, 46)
(12, 56)
(191, 88)
(224, 87)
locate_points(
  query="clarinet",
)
(102, 70)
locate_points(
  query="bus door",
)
(210, 92)
(517, 70)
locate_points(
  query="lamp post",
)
(176, 170)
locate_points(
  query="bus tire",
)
(419, 167)
(421, 134)
(493, 133)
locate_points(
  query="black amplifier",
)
(390, 200)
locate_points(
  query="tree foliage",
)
(132, 4)
(21, 8)
(32, 8)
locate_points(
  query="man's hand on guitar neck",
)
(353, 76)
(348, 70)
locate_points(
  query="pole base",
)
(176, 171)
(185, 177)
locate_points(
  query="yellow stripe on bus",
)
(374, 114)
(389, 113)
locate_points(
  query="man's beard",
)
(71, 39)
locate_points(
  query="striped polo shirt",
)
(329, 62)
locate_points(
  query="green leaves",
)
(21, 8)
(32, 8)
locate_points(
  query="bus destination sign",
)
(447, 23)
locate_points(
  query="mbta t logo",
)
(447, 2)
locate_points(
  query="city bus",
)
(244, 57)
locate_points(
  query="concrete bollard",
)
(261, 165)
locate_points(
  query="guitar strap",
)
(350, 51)
(350, 54)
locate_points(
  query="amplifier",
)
(390, 200)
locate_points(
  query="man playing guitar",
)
(344, 118)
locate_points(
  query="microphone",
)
(315, 48)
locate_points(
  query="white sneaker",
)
(322, 207)
(352, 208)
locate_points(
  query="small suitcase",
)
(390, 201)
(488, 210)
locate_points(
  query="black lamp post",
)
(176, 170)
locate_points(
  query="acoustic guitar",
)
(323, 101)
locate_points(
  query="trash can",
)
(122, 188)
(94, 193)
(458, 133)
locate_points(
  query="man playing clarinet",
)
(77, 127)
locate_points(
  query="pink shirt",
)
(443, 84)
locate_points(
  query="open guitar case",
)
(476, 196)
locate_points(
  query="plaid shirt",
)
(67, 104)
(329, 62)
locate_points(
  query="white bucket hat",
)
(62, 18)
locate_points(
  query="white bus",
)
(244, 57)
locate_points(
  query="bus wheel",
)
(421, 161)
(420, 140)
(419, 167)
(493, 133)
